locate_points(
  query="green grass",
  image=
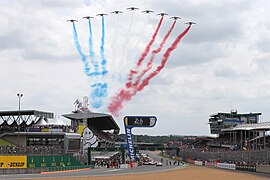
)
(5, 143)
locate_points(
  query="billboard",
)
(13, 161)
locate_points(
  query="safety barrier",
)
(52, 169)
(245, 167)
(226, 166)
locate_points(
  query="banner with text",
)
(13, 161)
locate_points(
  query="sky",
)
(222, 63)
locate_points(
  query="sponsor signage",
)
(136, 121)
(13, 161)
(226, 166)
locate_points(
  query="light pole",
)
(19, 117)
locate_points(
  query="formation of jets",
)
(147, 11)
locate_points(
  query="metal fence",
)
(261, 156)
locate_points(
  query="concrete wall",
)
(263, 168)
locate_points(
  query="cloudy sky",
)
(222, 63)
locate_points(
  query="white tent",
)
(57, 122)
(41, 122)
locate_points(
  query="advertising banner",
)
(130, 146)
(136, 121)
(13, 161)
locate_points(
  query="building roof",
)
(27, 112)
(98, 120)
(235, 114)
(249, 127)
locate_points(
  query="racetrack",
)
(188, 173)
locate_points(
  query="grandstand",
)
(34, 132)
(241, 138)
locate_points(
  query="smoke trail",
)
(143, 55)
(103, 58)
(130, 23)
(154, 52)
(99, 87)
(79, 49)
(142, 34)
(115, 40)
(126, 94)
(117, 102)
(99, 91)
(124, 52)
(91, 51)
(166, 55)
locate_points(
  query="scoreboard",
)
(140, 121)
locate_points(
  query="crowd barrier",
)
(226, 166)
(199, 163)
(230, 166)
(246, 167)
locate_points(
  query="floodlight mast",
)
(20, 95)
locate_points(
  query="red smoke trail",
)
(166, 55)
(143, 55)
(126, 94)
(117, 102)
(154, 52)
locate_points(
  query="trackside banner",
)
(130, 145)
(136, 121)
(226, 166)
(13, 161)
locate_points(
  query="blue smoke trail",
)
(99, 88)
(91, 51)
(79, 49)
(99, 91)
(104, 61)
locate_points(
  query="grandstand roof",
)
(98, 120)
(237, 114)
(27, 112)
(249, 127)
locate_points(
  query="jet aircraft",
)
(162, 14)
(132, 8)
(102, 14)
(147, 11)
(87, 17)
(190, 23)
(72, 20)
(116, 12)
(175, 17)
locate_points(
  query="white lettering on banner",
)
(226, 166)
(130, 144)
